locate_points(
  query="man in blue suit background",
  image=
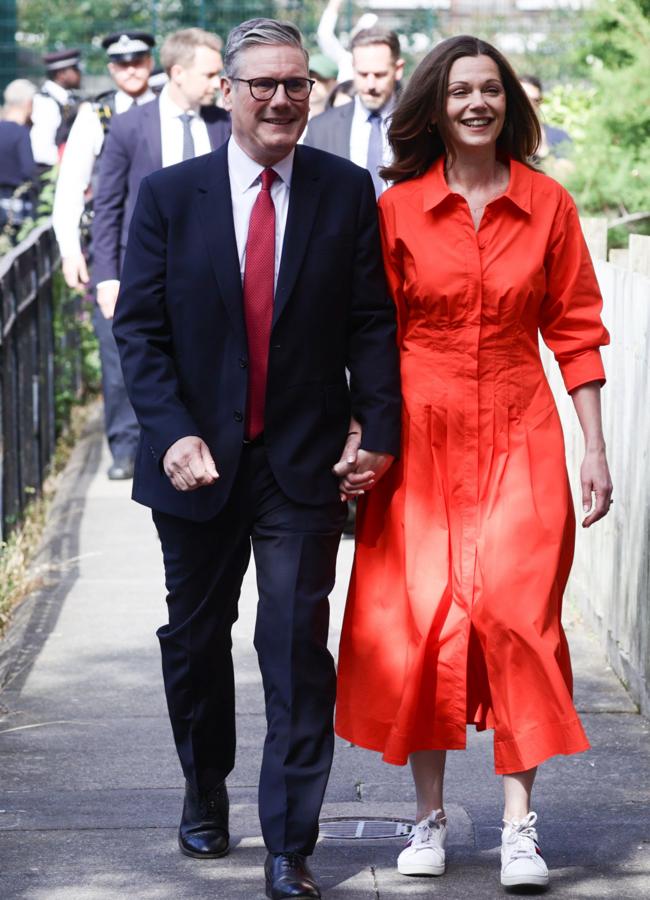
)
(252, 279)
(181, 123)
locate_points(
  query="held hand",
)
(107, 298)
(348, 459)
(189, 465)
(75, 271)
(369, 469)
(595, 478)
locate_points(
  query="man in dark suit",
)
(181, 123)
(252, 278)
(358, 130)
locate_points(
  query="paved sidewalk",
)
(90, 788)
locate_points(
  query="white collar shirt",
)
(360, 133)
(46, 118)
(245, 184)
(124, 101)
(60, 94)
(171, 131)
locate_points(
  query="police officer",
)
(129, 63)
(55, 106)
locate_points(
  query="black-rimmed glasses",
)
(264, 88)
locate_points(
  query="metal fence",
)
(30, 373)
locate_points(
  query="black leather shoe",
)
(204, 827)
(121, 470)
(288, 878)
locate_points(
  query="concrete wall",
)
(610, 581)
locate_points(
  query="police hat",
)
(62, 59)
(128, 46)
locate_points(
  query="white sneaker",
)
(521, 859)
(424, 853)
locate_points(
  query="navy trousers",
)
(295, 550)
(122, 429)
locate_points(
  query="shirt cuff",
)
(107, 281)
(69, 247)
(581, 369)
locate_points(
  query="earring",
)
(430, 127)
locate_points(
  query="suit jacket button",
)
(243, 362)
(237, 416)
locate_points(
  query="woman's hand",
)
(594, 471)
(596, 485)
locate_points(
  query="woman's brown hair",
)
(418, 133)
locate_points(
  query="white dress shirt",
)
(171, 131)
(360, 133)
(245, 184)
(46, 118)
(81, 152)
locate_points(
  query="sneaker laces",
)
(423, 831)
(522, 836)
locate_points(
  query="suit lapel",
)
(151, 128)
(215, 210)
(303, 203)
(345, 131)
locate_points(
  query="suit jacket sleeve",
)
(142, 332)
(110, 202)
(372, 346)
(26, 157)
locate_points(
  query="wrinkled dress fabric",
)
(464, 548)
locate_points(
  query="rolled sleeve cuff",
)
(581, 369)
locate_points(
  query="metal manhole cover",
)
(371, 829)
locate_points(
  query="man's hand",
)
(107, 297)
(75, 271)
(359, 470)
(189, 465)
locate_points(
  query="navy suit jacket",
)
(179, 326)
(133, 149)
(331, 130)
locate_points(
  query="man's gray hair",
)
(19, 92)
(256, 32)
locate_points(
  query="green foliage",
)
(569, 106)
(77, 365)
(610, 123)
(48, 24)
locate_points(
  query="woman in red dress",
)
(464, 547)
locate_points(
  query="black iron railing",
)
(30, 373)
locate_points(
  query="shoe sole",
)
(269, 894)
(523, 881)
(193, 855)
(424, 871)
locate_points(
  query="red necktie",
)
(259, 276)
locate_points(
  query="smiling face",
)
(267, 130)
(475, 104)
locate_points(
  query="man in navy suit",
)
(252, 279)
(181, 123)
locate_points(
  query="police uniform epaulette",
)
(104, 107)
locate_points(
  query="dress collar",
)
(435, 189)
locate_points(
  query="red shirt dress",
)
(465, 546)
